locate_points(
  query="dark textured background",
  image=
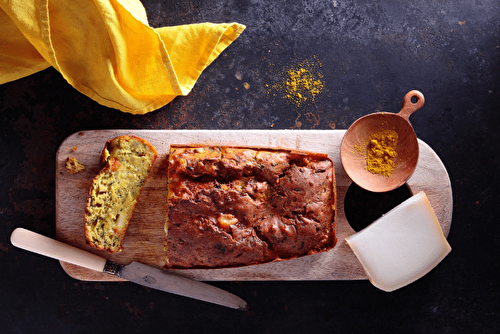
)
(371, 54)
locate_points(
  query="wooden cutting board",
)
(145, 236)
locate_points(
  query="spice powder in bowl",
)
(381, 152)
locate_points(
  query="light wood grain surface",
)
(145, 236)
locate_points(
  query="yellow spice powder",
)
(381, 152)
(300, 82)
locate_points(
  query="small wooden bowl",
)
(354, 160)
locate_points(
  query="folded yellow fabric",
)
(107, 50)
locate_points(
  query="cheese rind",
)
(401, 246)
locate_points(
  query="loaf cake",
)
(115, 191)
(234, 206)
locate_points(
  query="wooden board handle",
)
(42, 245)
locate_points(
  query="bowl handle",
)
(409, 107)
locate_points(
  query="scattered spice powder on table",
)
(381, 152)
(301, 82)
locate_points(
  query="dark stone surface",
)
(363, 207)
(369, 54)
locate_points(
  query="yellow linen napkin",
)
(107, 50)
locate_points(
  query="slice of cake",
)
(115, 191)
(230, 206)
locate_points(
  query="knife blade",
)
(134, 272)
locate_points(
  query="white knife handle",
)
(40, 244)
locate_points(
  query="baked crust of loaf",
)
(116, 190)
(234, 206)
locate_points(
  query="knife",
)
(135, 272)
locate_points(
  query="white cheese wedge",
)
(401, 246)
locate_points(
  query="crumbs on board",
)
(73, 166)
